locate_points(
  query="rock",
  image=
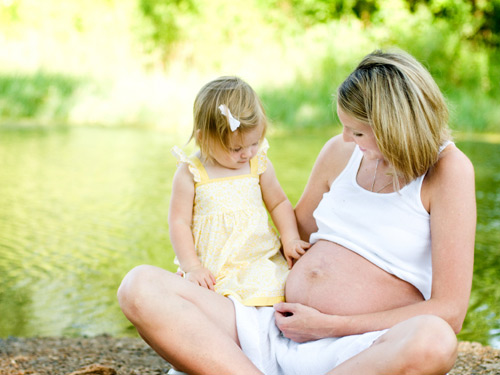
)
(95, 369)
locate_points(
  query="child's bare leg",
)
(424, 345)
(191, 327)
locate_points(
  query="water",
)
(80, 207)
(77, 209)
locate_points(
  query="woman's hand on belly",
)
(302, 323)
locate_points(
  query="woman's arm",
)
(449, 194)
(180, 218)
(452, 205)
(281, 212)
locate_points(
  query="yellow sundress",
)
(232, 234)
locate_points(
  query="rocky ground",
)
(105, 355)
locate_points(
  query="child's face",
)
(243, 148)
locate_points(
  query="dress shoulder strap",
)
(194, 164)
(258, 164)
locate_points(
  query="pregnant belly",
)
(337, 281)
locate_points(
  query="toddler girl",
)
(219, 226)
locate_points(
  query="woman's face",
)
(360, 133)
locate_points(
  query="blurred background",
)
(93, 95)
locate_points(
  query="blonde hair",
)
(211, 128)
(394, 94)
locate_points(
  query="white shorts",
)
(274, 354)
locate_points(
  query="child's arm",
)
(283, 216)
(180, 217)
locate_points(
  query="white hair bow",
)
(233, 123)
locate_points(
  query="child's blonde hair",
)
(211, 128)
(394, 94)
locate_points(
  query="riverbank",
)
(105, 355)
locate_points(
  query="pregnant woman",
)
(390, 210)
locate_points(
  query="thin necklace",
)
(375, 177)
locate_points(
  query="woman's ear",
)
(197, 135)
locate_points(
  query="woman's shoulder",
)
(332, 159)
(453, 174)
(336, 151)
(338, 144)
(451, 162)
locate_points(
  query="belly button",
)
(315, 273)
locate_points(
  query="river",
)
(79, 207)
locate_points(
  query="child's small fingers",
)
(200, 283)
(205, 283)
(209, 282)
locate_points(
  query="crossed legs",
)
(194, 329)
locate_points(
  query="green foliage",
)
(308, 101)
(470, 81)
(39, 96)
(9, 12)
(312, 12)
(163, 17)
(476, 20)
(148, 58)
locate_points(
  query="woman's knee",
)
(138, 288)
(432, 344)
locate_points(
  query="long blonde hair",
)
(394, 94)
(211, 128)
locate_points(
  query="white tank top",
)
(390, 230)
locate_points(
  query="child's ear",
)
(197, 135)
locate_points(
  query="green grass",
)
(37, 97)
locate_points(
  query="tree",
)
(163, 19)
(480, 19)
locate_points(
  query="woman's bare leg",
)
(191, 327)
(424, 345)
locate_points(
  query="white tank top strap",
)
(444, 145)
(350, 171)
